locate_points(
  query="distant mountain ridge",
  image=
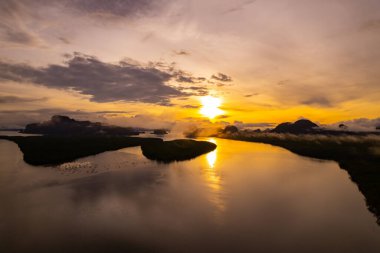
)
(63, 125)
(302, 126)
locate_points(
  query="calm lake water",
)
(243, 197)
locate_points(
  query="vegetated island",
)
(54, 150)
(356, 152)
(66, 140)
(176, 150)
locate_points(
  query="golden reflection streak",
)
(214, 181)
(211, 159)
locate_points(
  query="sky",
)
(162, 63)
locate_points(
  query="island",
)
(54, 150)
(176, 150)
(65, 140)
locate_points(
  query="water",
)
(243, 197)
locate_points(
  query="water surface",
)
(242, 197)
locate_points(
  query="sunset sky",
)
(155, 63)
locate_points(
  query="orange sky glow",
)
(168, 62)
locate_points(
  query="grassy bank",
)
(177, 150)
(51, 150)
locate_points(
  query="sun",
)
(210, 106)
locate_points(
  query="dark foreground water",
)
(243, 197)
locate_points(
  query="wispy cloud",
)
(221, 77)
(181, 52)
(238, 6)
(17, 99)
(13, 29)
(114, 9)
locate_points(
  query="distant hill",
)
(63, 125)
(302, 126)
(305, 126)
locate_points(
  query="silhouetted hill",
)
(230, 129)
(63, 125)
(301, 126)
(305, 126)
(160, 131)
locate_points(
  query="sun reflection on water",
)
(211, 157)
(214, 182)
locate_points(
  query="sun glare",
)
(210, 106)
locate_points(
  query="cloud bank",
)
(105, 82)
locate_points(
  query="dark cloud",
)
(181, 52)
(112, 9)
(184, 77)
(189, 79)
(317, 101)
(64, 40)
(251, 95)
(241, 124)
(16, 99)
(18, 35)
(223, 116)
(221, 77)
(194, 90)
(105, 82)
(114, 112)
(191, 106)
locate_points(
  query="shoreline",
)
(359, 156)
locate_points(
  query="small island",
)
(177, 150)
